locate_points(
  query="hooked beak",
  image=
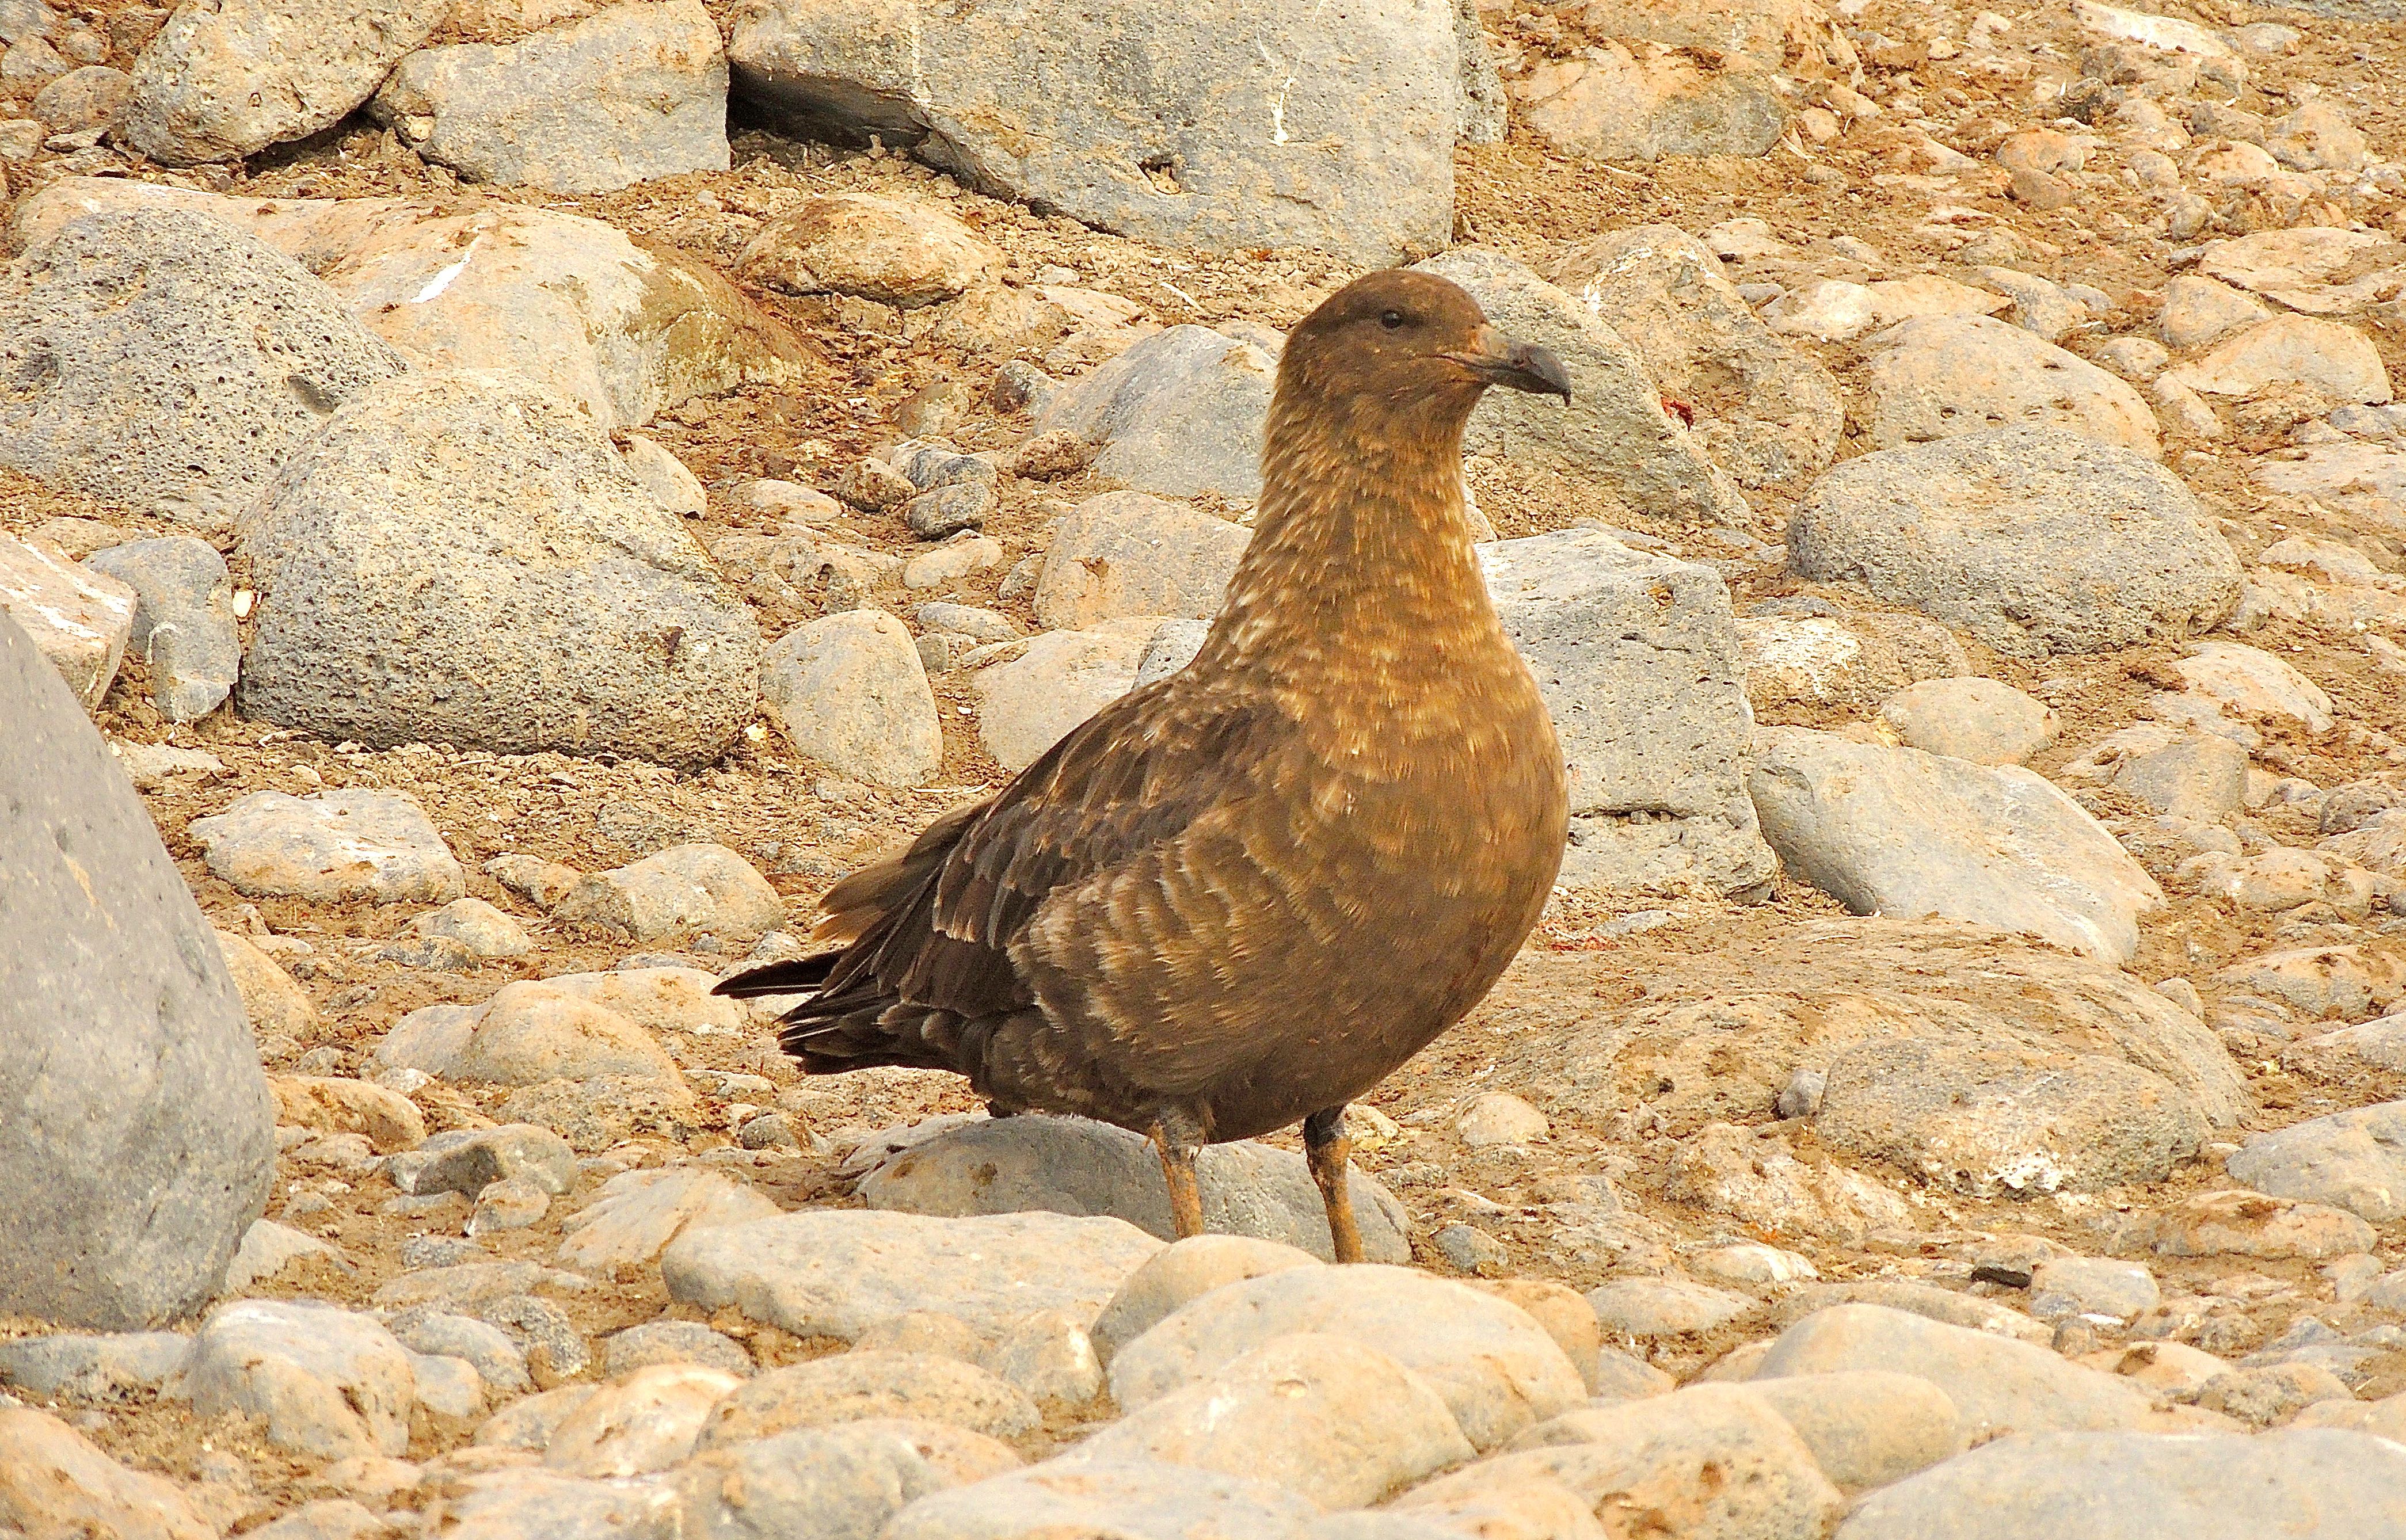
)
(1515, 365)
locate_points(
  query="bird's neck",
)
(1361, 568)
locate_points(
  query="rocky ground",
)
(525, 519)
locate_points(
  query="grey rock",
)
(2035, 539)
(469, 1160)
(475, 926)
(949, 510)
(1026, 702)
(183, 622)
(837, 1273)
(676, 893)
(1073, 1166)
(445, 1385)
(142, 1140)
(1186, 143)
(1900, 832)
(2261, 1395)
(968, 619)
(645, 1422)
(849, 691)
(2189, 774)
(634, 91)
(1314, 1413)
(498, 1361)
(1987, 1120)
(23, 18)
(1613, 428)
(1183, 1271)
(1982, 720)
(331, 846)
(267, 1249)
(82, 99)
(638, 1213)
(1127, 553)
(71, 1366)
(1493, 1366)
(904, 253)
(78, 619)
(1049, 1355)
(1179, 413)
(222, 81)
(869, 1383)
(1766, 412)
(673, 1342)
(134, 313)
(1607, 104)
(458, 1287)
(325, 1381)
(2068, 1286)
(1937, 377)
(625, 331)
(1648, 699)
(1716, 1456)
(1999, 1385)
(1127, 1500)
(1484, 108)
(2041, 309)
(554, 1348)
(462, 556)
(838, 1483)
(2133, 1485)
(2354, 1160)
(1173, 647)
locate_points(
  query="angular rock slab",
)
(169, 362)
(2354, 1160)
(1074, 1165)
(837, 1273)
(140, 1138)
(1613, 427)
(463, 558)
(624, 330)
(183, 620)
(78, 619)
(1900, 832)
(2034, 540)
(225, 80)
(2134, 1486)
(635, 91)
(1494, 1366)
(1638, 659)
(1249, 125)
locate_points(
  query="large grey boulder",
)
(624, 330)
(139, 1141)
(1179, 413)
(1073, 1166)
(1218, 128)
(461, 556)
(1614, 428)
(634, 91)
(225, 80)
(2035, 539)
(1897, 831)
(1637, 658)
(2310, 1482)
(163, 360)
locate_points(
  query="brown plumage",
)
(1244, 895)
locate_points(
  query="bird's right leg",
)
(1177, 1145)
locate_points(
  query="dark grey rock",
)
(1189, 138)
(183, 620)
(140, 1140)
(949, 509)
(490, 1349)
(463, 558)
(119, 323)
(1072, 1165)
(92, 1368)
(468, 1160)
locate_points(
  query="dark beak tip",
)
(1537, 370)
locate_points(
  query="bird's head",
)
(1409, 342)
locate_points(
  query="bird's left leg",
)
(1176, 1144)
(1329, 1152)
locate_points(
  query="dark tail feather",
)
(794, 976)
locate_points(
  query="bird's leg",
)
(1177, 1149)
(1329, 1152)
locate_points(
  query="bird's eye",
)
(1392, 320)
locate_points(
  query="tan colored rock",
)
(530, 1033)
(275, 1004)
(56, 1485)
(1030, 698)
(678, 893)
(78, 619)
(647, 1422)
(1941, 375)
(635, 1216)
(1129, 554)
(337, 1105)
(893, 251)
(2333, 359)
(2238, 1223)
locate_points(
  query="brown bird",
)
(1245, 894)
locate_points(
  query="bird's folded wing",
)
(1136, 774)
